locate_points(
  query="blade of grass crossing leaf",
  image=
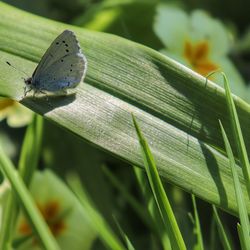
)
(238, 192)
(223, 236)
(105, 233)
(241, 148)
(27, 164)
(197, 225)
(35, 217)
(159, 193)
(153, 210)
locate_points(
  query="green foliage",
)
(178, 112)
(18, 185)
(171, 226)
(178, 109)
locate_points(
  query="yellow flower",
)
(200, 42)
(16, 114)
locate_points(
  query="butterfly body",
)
(63, 66)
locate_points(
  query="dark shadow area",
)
(209, 115)
(44, 104)
(214, 171)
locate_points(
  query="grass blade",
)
(99, 224)
(223, 236)
(238, 192)
(197, 225)
(241, 237)
(238, 137)
(31, 149)
(158, 224)
(27, 164)
(139, 209)
(159, 192)
(35, 217)
(124, 236)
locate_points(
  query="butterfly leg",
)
(26, 91)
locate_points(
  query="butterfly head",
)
(28, 81)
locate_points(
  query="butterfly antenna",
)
(19, 70)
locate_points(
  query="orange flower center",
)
(198, 56)
(51, 214)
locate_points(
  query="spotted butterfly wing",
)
(62, 66)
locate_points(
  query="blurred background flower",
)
(15, 114)
(200, 42)
(62, 213)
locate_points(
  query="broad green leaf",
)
(178, 111)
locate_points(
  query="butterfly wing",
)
(62, 66)
(65, 73)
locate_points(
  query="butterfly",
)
(63, 66)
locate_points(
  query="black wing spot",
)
(71, 70)
(66, 45)
(71, 65)
(67, 50)
(63, 41)
(61, 60)
(57, 43)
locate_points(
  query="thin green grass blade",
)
(241, 237)
(139, 209)
(99, 224)
(158, 224)
(238, 192)
(197, 225)
(35, 217)
(124, 236)
(179, 111)
(31, 148)
(159, 192)
(7, 221)
(238, 137)
(27, 164)
(223, 236)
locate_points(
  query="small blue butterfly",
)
(63, 66)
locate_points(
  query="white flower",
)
(200, 42)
